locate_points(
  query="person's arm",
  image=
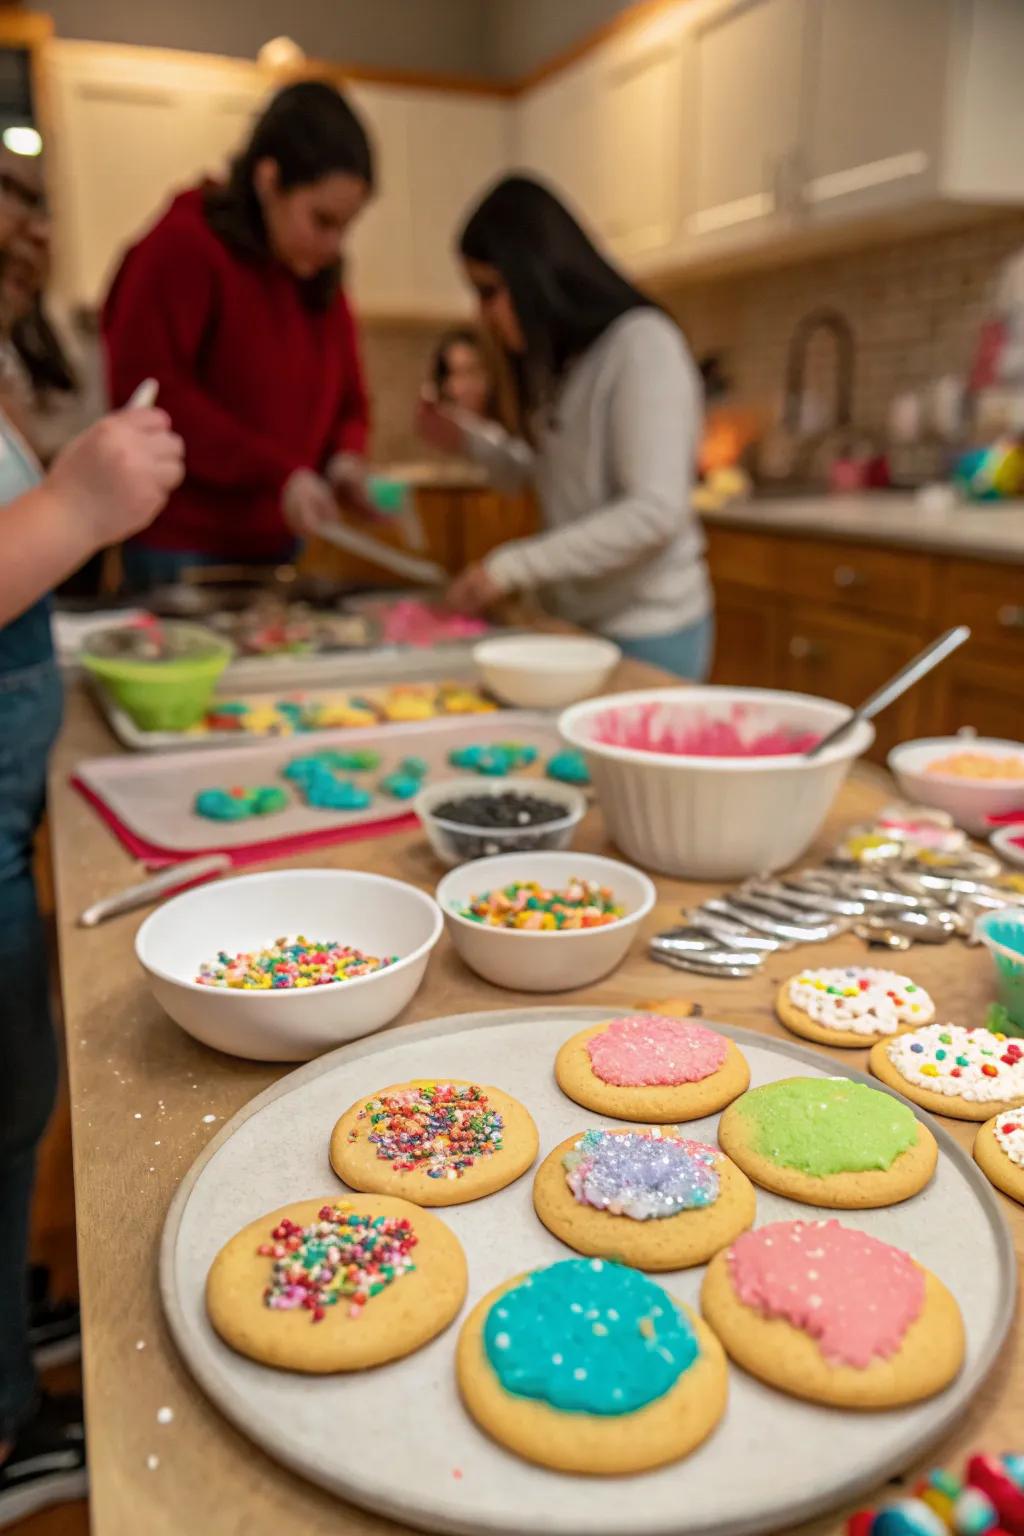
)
(155, 320)
(654, 417)
(106, 485)
(353, 423)
(507, 460)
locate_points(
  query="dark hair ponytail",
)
(309, 131)
(565, 294)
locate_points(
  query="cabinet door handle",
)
(1011, 616)
(848, 576)
(803, 649)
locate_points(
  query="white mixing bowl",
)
(715, 818)
(528, 961)
(970, 802)
(372, 913)
(545, 671)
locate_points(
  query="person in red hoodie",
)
(233, 303)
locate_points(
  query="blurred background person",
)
(233, 302)
(609, 405)
(462, 374)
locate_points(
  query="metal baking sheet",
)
(154, 794)
(409, 1450)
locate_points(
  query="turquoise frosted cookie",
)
(587, 1366)
(400, 786)
(326, 792)
(495, 761)
(238, 803)
(568, 768)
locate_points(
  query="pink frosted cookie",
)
(653, 1069)
(827, 1312)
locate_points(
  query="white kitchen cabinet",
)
(557, 136)
(876, 88)
(748, 70)
(129, 128)
(646, 121)
(379, 271)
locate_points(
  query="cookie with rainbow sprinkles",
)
(829, 1141)
(648, 1197)
(590, 1367)
(969, 1074)
(651, 1069)
(851, 1005)
(999, 1152)
(334, 1285)
(435, 1142)
(828, 1313)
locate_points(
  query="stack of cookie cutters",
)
(905, 901)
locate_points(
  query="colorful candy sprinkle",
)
(340, 1255)
(525, 904)
(289, 963)
(642, 1174)
(439, 1129)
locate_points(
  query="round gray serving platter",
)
(397, 1440)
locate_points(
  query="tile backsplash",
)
(915, 306)
(397, 356)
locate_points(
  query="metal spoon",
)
(905, 678)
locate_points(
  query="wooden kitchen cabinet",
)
(978, 689)
(746, 638)
(876, 88)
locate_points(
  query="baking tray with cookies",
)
(544, 1270)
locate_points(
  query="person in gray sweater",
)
(610, 405)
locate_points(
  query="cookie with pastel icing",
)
(999, 1152)
(649, 1198)
(436, 1142)
(333, 1285)
(851, 1005)
(829, 1141)
(824, 1312)
(968, 1074)
(651, 1069)
(590, 1367)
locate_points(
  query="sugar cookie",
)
(827, 1313)
(852, 1006)
(652, 1069)
(969, 1074)
(647, 1198)
(336, 1285)
(999, 1152)
(437, 1142)
(829, 1141)
(590, 1367)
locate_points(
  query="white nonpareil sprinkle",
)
(209, 1119)
(164, 1415)
(140, 1343)
(152, 1462)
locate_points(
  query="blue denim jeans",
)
(30, 710)
(686, 652)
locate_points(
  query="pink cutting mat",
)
(148, 800)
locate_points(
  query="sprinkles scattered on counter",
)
(340, 1256)
(439, 1129)
(289, 963)
(525, 904)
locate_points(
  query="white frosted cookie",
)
(852, 1005)
(999, 1152)
(970, 1074)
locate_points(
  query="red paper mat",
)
(251, 853)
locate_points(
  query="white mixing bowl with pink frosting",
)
(711, 783)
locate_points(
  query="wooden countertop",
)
(146, 1099)
(993, 531)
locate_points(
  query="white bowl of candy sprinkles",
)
(285, 965)
(544, 922)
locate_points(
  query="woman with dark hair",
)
(233, 303)
(461, 374)
(610, 411)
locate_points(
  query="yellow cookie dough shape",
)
(786, 1357)
(799, 1022)
(660, 1104)
(658, 1243)
(415, 1307)
(662, 1431)
(991, 1155)
(354, 1157)
(859, 1189)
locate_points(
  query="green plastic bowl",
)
(162, 677)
